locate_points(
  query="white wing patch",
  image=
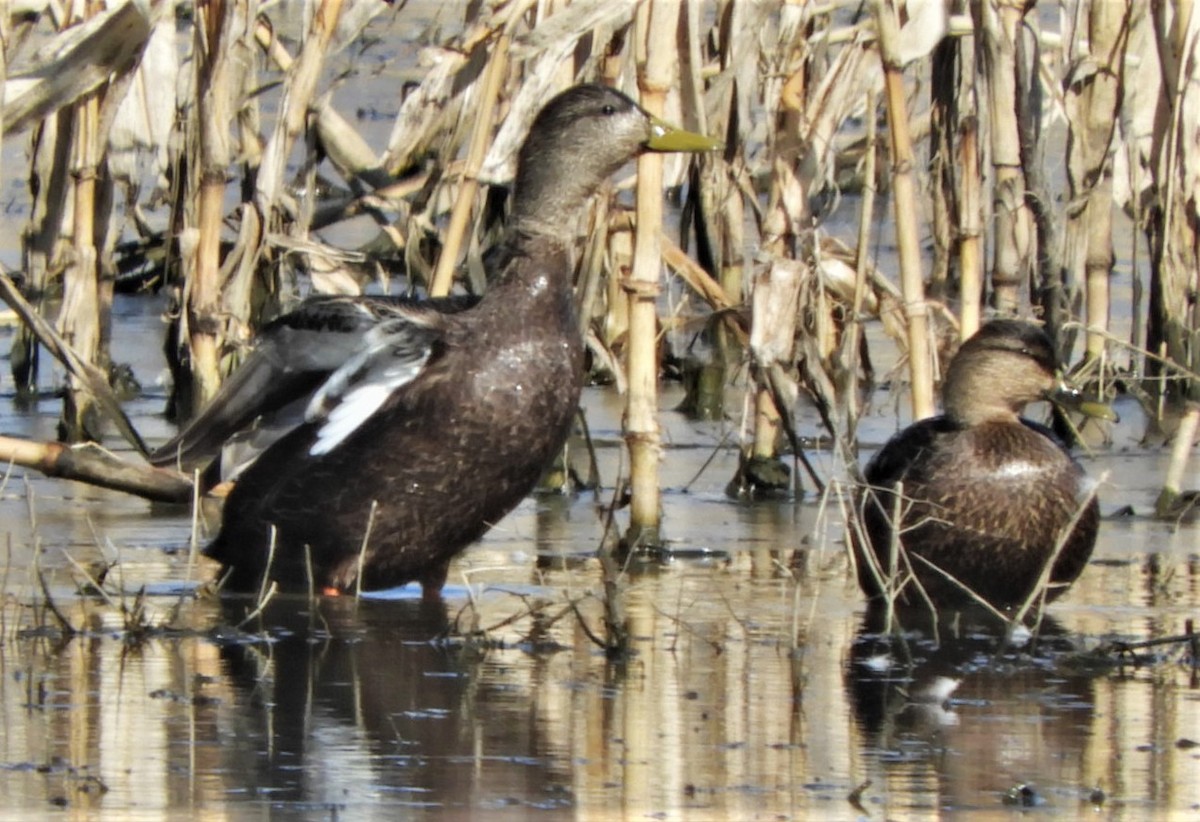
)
(394, 354)
(351, 412)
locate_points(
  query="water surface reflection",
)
(757, 689)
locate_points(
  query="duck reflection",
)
(930, 698)
(367, 703)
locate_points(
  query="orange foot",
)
(221, 490)
(330, 591)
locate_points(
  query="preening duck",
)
(426, 424)
(984, 494)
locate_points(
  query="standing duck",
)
(429, 422)
(986, 494)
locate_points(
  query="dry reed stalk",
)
(79, 369)
(998, 24)
(460, 216)
(916, 310)
(80, 60)
(299, 89)
(657, 22)
(853, 338)
(970, 246)
(787, 215)
(1095, 89)
(6, 42)
(729, 94)
(1181, 449)
(775, 302)
(222, 45)
(346, 149)
(1173, 323)
(79, 316)
(425, 109)
(274, 213)
(591, 269)
(944, 97)
(696, 278)
(620, 257)
(43, 244)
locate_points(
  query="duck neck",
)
(552, 192)
(538, 276)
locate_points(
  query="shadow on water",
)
(351, 703)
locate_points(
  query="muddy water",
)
(758, 686)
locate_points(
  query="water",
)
(757, 688)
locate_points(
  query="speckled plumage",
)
(428, 425)
(985, 494)
(444, 459)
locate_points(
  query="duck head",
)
(579, 139)
(1003, 367)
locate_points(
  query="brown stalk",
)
(970, 251)
(1014, 240)
(657, 21)
(219, 34)
(916, 311)
(79, 317)
(1094, 99)
(90, 463)
(460, 215)
(1181, 449)
(298, 94)
(853, 336)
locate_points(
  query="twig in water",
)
(362, 551)
(1039, 590)
(266, 579)
(310, 576)
(264, 598)
(67, 627)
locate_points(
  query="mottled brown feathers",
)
(984, 495)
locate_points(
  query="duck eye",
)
(609, 109)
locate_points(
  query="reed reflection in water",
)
(757, 691)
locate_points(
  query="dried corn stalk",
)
(1093, 103)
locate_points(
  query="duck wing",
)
(391, 356)
(294, 356)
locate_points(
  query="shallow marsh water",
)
(757, 687)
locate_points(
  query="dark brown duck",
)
(435, 423)
(985, 493)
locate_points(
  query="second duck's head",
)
(577, 141)
(1003, 367)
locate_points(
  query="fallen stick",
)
(95, 465)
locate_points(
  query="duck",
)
(985, 494)
(422, 424)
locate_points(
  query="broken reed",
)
(784, 84)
